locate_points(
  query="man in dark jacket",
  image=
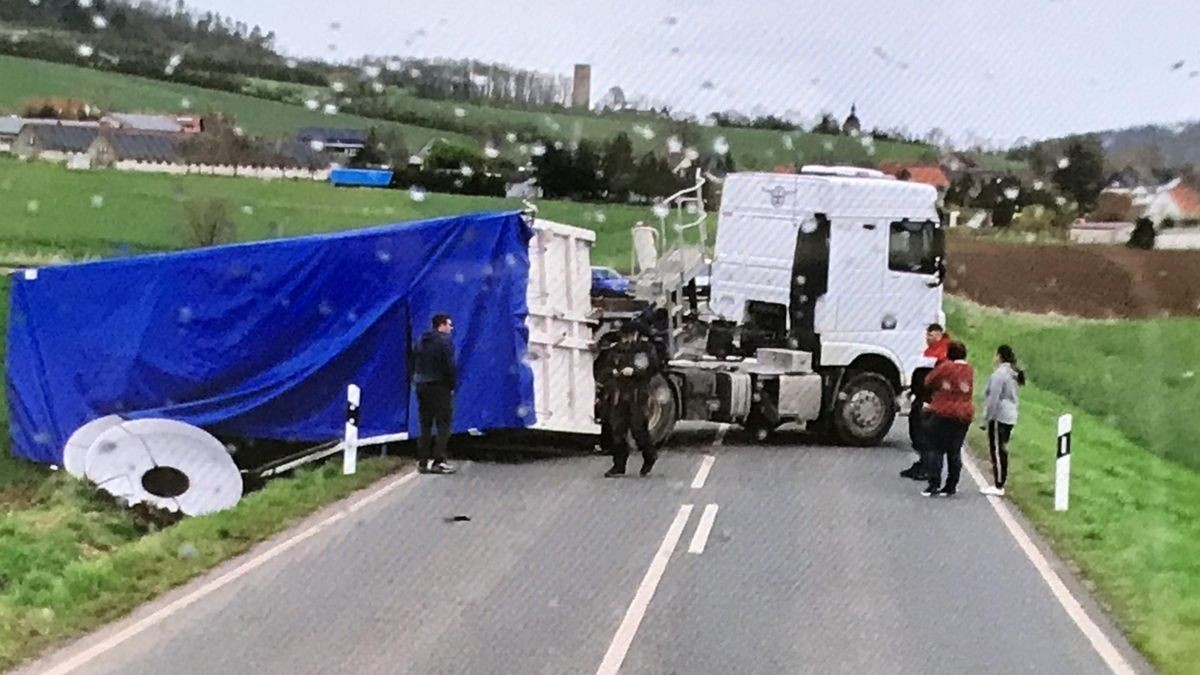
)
(435, 377)
(634, 363)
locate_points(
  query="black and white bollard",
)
(350, 453)
(1062, 462)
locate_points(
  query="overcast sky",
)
(999, 69)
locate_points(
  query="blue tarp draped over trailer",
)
(260, 340)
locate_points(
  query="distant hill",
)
(1179, 145)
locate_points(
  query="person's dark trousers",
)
(998, 436)
(946, 437)
(918, 421)
(435, 403)
(627, 416)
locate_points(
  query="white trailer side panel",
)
(560, 330)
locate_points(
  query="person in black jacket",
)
(436, 377)
(634, 362)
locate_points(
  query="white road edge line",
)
(720, 439)
(641, 601)
(1100, 642)
(702, 474)
(229, 577)
(700, 538)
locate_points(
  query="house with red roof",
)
(928, 174)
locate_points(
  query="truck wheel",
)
(661, 410)
(865, 410)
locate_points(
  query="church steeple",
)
(852, 126)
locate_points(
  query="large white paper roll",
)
(76, 449)
(165, 463)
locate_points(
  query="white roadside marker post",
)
(1062, 464)
(350, 454)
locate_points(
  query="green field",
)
(1133, 528)
(145, 211)
(21, 79)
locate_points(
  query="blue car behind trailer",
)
(379, 178)
(608, 282)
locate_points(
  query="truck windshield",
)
(916, 247)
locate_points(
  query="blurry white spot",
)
(510, 137)
(97, 201)
(692, 154)
(510, 260)
(1189, 375)
(460, 112)
(42, 438)
(1064, 163)
(466, 170)
(312, 104)
(383, 256)
(1011, 193)
(238, 131)
(674, 145)
(416, 160)
(317, 145)
(643, 131)
(85, 4)
(663, 396)
(1030, 237)
(537, 150)
(829, 146)
(558, 145)
(248, 210)
(490, 151)
(331, 109)
(378, 87)
(720, 145)
(1038, 185)
(523, 411)
(417, 193)
(292, 63)
(99, 22)
(761, 434)
(460, 278)
(661, 210)
(188, 551)
(788, 142)
(801, 280)
(809, 226)
(1061, 201)
(601, 217)
(372, 72)
(414, 72)
(325, 308)
(339, 87)
(185, 103)
(85, 51)
(33, 206)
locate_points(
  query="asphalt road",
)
(818, 560)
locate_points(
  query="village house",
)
(113, 147)
(55, 142)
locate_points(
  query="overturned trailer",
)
(259, 342)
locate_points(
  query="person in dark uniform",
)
(937, 345)
(633, 362)
(436, 377)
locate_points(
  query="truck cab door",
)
(913, 284)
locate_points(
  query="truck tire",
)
(864, 410)
(661, 410)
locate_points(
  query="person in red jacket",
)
(951, 409)
(937, 342)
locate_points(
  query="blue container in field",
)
(380, 178)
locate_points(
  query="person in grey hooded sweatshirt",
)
(1003, 400)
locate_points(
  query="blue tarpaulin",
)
(260, 340)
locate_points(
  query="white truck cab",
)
(821, 287)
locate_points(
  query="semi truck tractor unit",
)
(821, 286)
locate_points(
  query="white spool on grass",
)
(168, 464)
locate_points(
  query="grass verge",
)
(1133, 529)
(71, 562)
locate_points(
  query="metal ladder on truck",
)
(663, 280)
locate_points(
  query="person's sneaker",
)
(441, 468)
(946, 493)
(613, 473)
(930, 492)
(646, 467)
(992, 491)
